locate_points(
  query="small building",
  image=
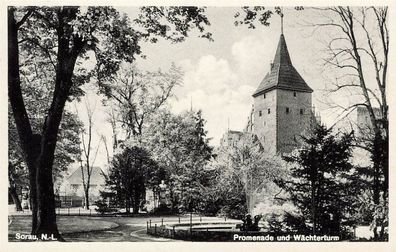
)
(231, 138)
(71, 192)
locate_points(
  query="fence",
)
(169, 228)
(75, 211)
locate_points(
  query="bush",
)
(162, 209)
(103, 208)
(237, 211)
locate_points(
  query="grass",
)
(66, 224)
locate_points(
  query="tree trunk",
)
(32, 181)
(27, 140)
(313, 200)
(127, 205)
(249, 202)
(40, 166)
(46, 216)
(86, 198)
(14, 195)
(376, 198)
(66, 59)
(136, 203)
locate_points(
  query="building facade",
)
(282, 107)
(71, 192)
(231, 137)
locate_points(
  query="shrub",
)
(103, 208)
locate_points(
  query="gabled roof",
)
(282, 74)
(97, 177)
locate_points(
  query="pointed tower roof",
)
(282, 74)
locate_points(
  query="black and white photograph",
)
(197, 123)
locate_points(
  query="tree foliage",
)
(320, 186)
(258, 15)
(66, 152)
(131, 171)
(180, 145)
(246, 167)
(135, 95)
(64, 36)
(358, 59)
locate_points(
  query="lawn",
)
(66, 224)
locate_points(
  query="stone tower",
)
(282, 105)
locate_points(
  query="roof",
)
(97, 177)
(282, 74)
(235, 132)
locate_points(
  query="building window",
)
(264, 95)
(295, 94)
(287, 110)
(260, 113)
(265, 123)
(301, 111)
(269, 111)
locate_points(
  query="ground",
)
(85, 228)
(115, 228)
(102, 228)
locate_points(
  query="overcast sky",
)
(220, 76)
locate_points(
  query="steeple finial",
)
(281, 15)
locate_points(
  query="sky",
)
(221, 76)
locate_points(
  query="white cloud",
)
(209, 73)
(222, 88)
(252, 55)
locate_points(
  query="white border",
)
(190, 246)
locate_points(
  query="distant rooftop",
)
(97, 177)
(235, 132)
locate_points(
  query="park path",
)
(130, 229)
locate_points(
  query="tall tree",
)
(88, 152)
(319, 186)
(134, 96)
(358, 56)
(130, 172)
(64, 35)
(179, 144)
(66, 151)
(245, 163)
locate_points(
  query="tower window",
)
(269, 111)
(295, 94)
(260, 113)
(301, 111)
(287, 110)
